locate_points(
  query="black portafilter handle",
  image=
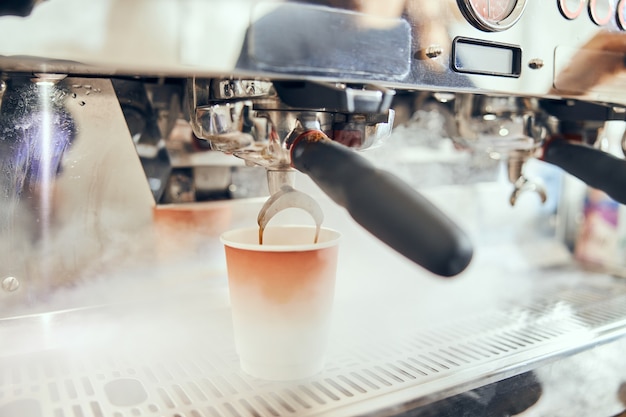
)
(384, 205)
(596, 168)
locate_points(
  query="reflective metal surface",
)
(60, 208)
(111, 118)
(221, 37)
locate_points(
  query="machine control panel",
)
(499, 15)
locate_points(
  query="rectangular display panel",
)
(475, 56)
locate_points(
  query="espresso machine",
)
(133, 130)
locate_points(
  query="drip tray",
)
(119, 361)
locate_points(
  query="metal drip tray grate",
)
(96, 377)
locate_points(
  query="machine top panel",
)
(542, 48)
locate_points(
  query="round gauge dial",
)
(621, 14)
(571, 9)
(601, 11)
(493, 11)
(492, 15)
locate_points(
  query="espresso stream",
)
(318, 227)
(288, 197)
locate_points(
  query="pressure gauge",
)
(621, 14)
(571, 9)
(601, 11)
(492, 15)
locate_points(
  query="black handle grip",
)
(20, 8)
(596, 168)
(385, 205)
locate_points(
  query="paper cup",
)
(281, 297)
(183, 231)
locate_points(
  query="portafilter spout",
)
(383, 204)
(283, 195)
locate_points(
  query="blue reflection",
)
(35, 132)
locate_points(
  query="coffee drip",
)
(289, 197)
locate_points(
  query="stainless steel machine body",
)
(190, 82)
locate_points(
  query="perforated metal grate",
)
(205, 380)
